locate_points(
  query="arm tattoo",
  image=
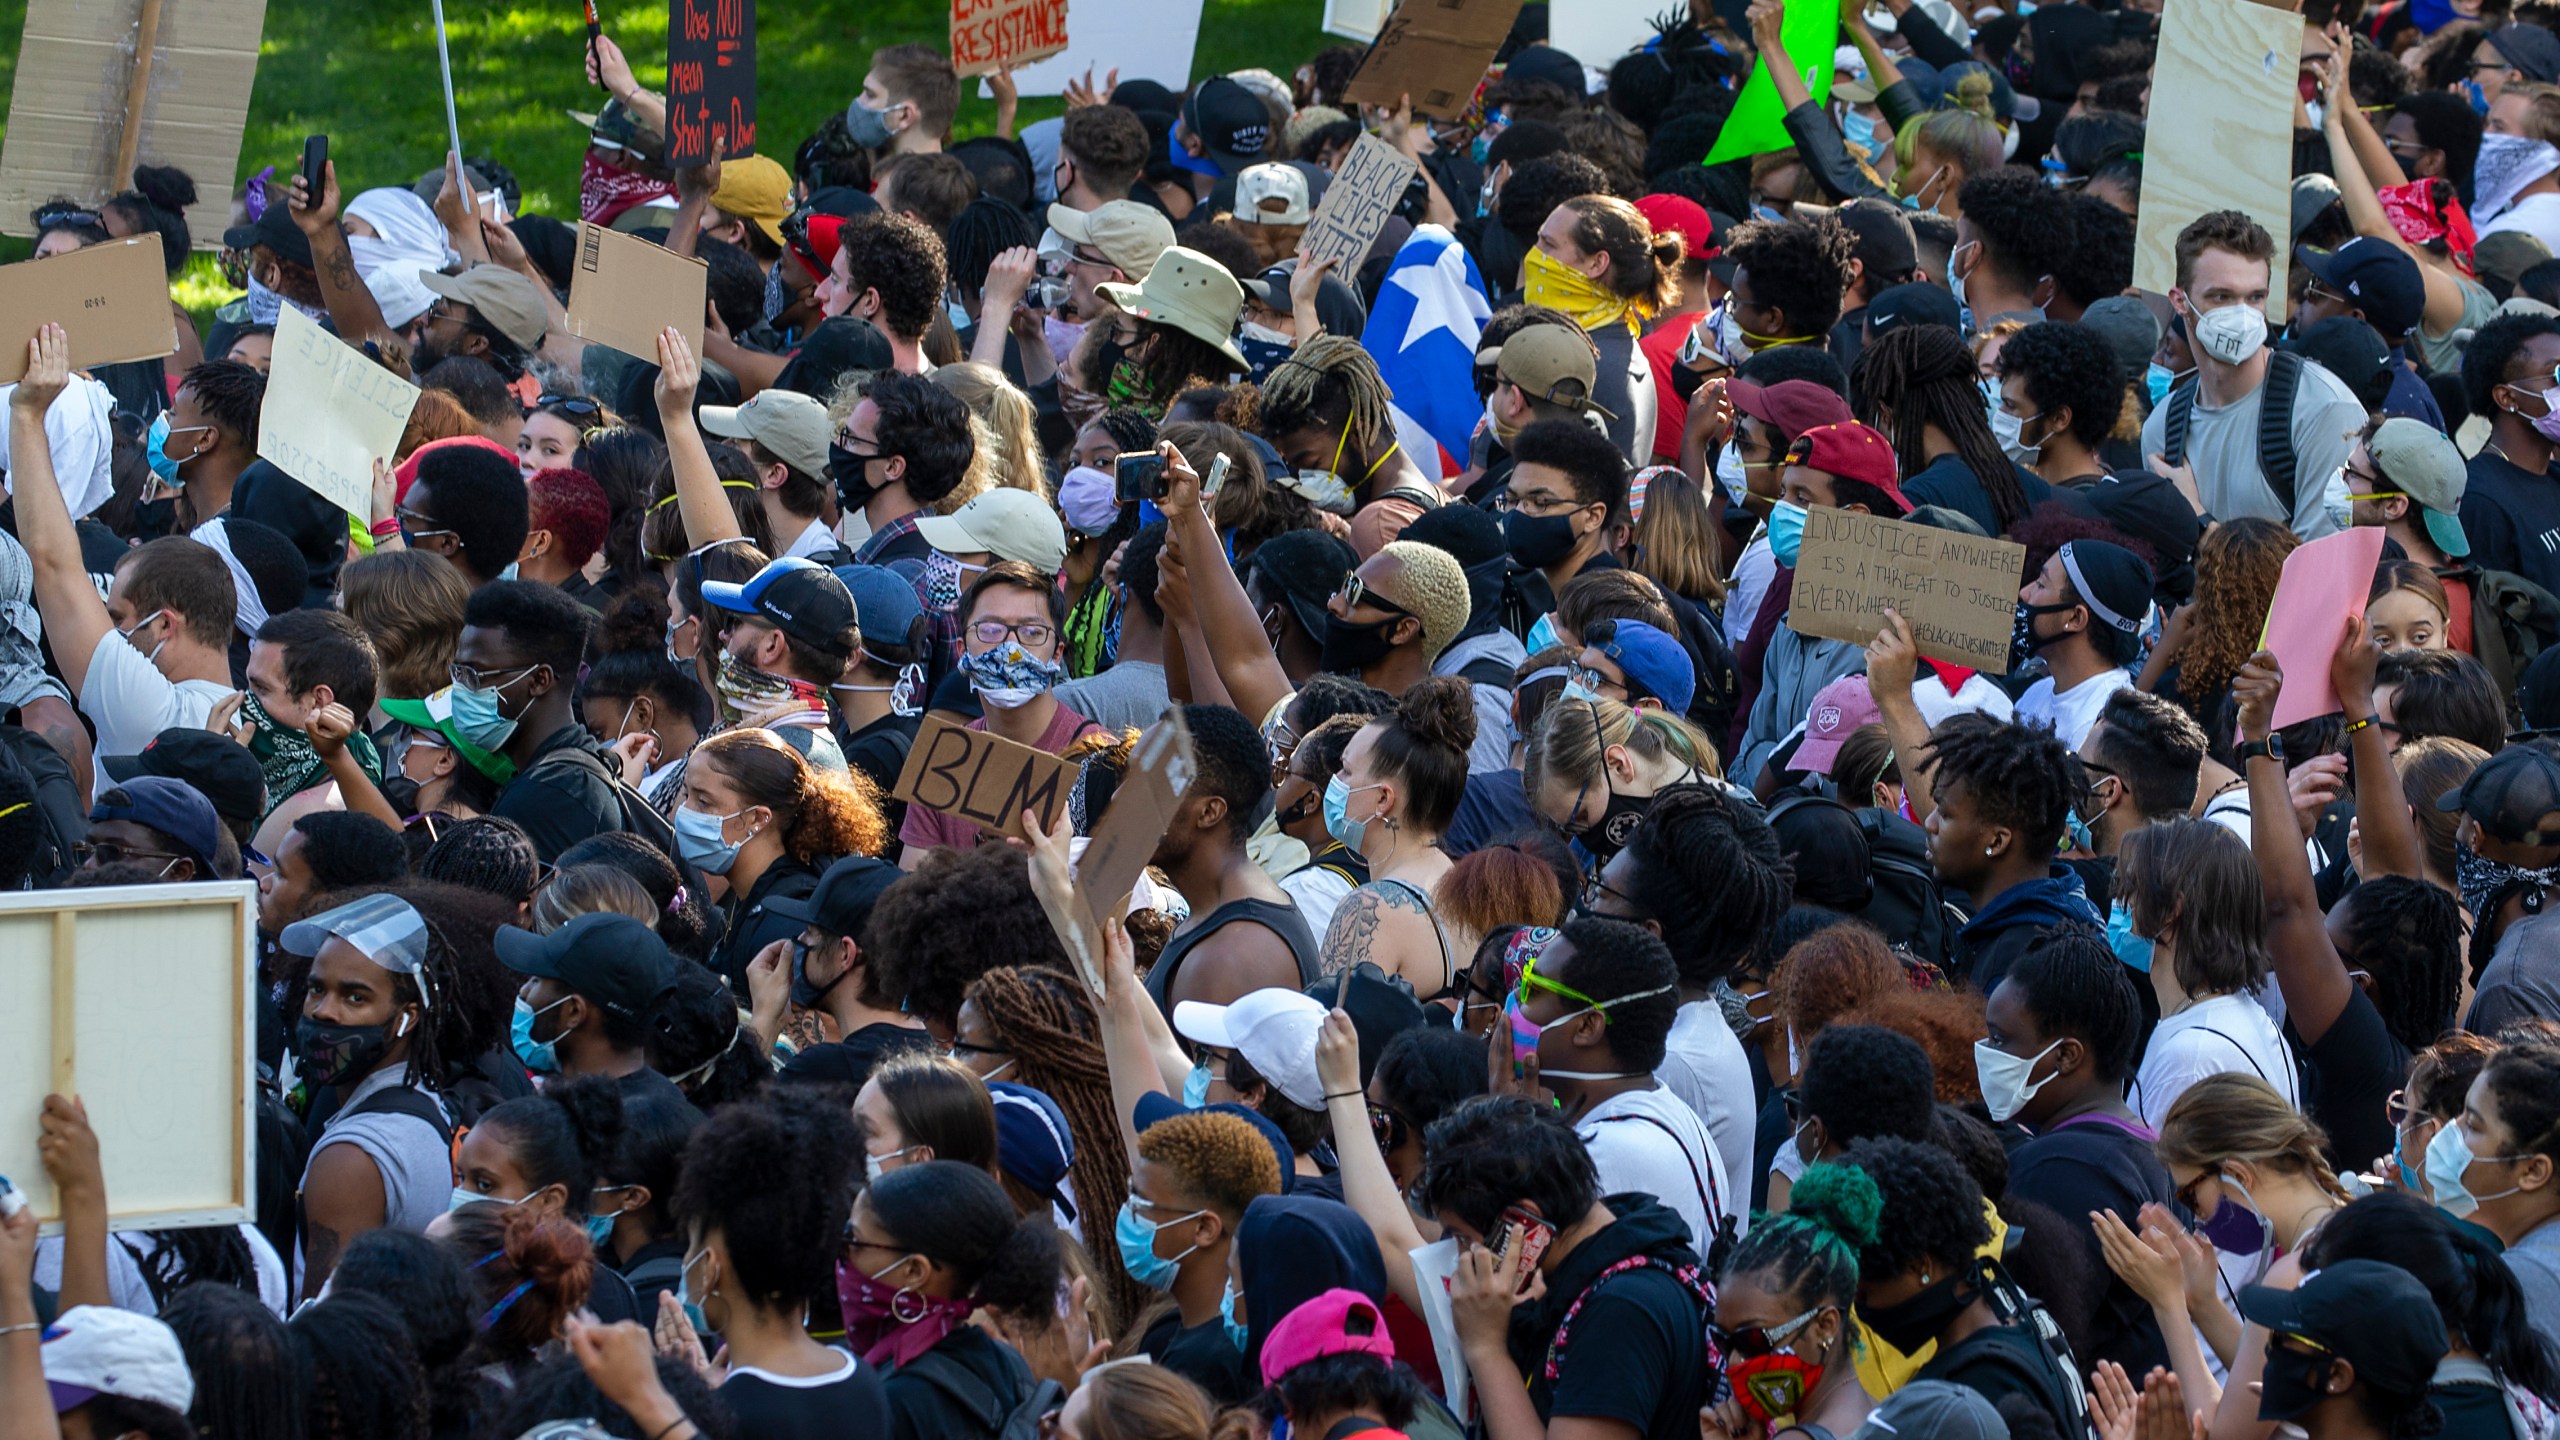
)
(342, 267)
(1353, 936)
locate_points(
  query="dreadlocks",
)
(1920, 376)
(1329, 383)
(2407, 934)
(2015, 775)
(1047, 1020)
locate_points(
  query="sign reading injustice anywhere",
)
(112, 301)
(625, 290)
(711, 79)
(1958, 592)
(1356, 205)
(973, 775)
(991, 35)
(330, 413)
(1434, 52)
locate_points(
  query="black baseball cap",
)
(2538, 694)
(2377, 277)
(221, 769)
(2515, 795)
(841, 905)
(609, 958)
(1230, 122)
(274, 228)
(1380, 1009)
(1916, 303)
(1547, 63)
(1885, 243)
(801, 598)
(2374, 1316)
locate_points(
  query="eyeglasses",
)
(472, 677)
(109, 852)
(1593, 680)
(1530, 978)
(961, 1050)
(414, 526)
(1582, 905)
(1540, 505)
(1355, 593)
(1387, 1127)
(1753, 1341)
(993, 632)
(2317, 291)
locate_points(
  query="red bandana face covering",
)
(889, 1326)
(1772, 1387)
(605, 191)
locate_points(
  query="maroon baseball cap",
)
(1793, 406)
(1851, 451)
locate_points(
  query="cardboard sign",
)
(711, 79)
(625, 290)
(1143, 41)
(136, 999)
(1434, 52)
(974, 775)
(112, 299)
(1364, 193)
(1111, 860)
(1959, 592)
(75, 79)
(2322, 586)
(990, 35)
(330, 413)
(2221, 130)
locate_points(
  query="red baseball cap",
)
(1793, 406)
(406, 472)
(825, 236)
(1851, 451)
(1684, 217)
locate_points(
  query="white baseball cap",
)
(1273, 194)
(91, 1350)
(1006, 523)
(1274, 1030)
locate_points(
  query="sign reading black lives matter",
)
(711, 79)
(1356, 205)
(1958, 592)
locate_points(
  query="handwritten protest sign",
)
(1356, 206)
(112, 300)
(1959, 592)
(711, 79)
(1433, 52)
(137, 1000)
(2322, 586)
(330, 413)
(973, 775)
(2221, 129)
(991, 35)
(625, 290)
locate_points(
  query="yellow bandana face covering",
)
(1550, 282)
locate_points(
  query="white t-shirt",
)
(816, 539)
(2534, 215)
(1319, 892)
(1651, 1142)
(2070, 713)
(127, 1290)
(1751, 576)
(130, 701)
(1704, 1066)
(2225, 1033)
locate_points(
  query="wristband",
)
(2355, 725)
(1346, 1094)
(385, 529)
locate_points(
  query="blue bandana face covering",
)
(1010, 677)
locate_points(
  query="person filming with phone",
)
(1602, 1307)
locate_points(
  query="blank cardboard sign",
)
(1140, 39)
(1434, 51)
(625, 290)
(986, 779)
(136, 999)
(66, 114)
(2221, 129)
(1958, 592)
(330, 413)
(111, 300)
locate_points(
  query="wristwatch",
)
(2272, 747)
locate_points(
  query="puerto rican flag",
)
(1422, 332)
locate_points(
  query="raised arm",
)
(2364, 207)
(606, 67)
(26, 1409)
(1246, 664)
(2390, 833)
(1892, 663)
(351, 305)
(1367, 1185)
(69, 1149)
(2315, 983)
(75, 619)
(707, 516)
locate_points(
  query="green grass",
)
(364, 73)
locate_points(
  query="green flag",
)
(1758, 121)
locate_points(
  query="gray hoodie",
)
(1495, 733)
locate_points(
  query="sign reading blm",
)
(711, 79)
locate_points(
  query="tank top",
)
(1281, 918)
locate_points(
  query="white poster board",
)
(1597, 32)
(136, 999)
(1142, 39)
(1355, 19)
(330, 412)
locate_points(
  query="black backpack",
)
(2275, 424)
(638, 815)
(1903, 897)
(967, 1389)
(42, 770)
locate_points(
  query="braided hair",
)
(1047, 1020)
(2526, 1080)
(487, 853)
(2015, 775)
(1922, 375)
(1811, 1251)
(242, 1361)
(214, 1254)
(1708, 871)
(359, 1371)
(2407, 934)
(1329, 382)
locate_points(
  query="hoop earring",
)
(898, 1305)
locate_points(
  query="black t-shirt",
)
(2347, 1078)
(563, 801)
(922, 1409)
(1201, 1354)
(789, 1407)
(2001, 1360)
(752, 927)
(1633, 1353)
(2084, 1166)
(2473, 1412)
(2512, 517)
(1949, 481)
(851, 1060)
(879, 750)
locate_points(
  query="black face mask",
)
(335, 1054)
(1915, 1322)
(1537, 541)
(1350, 648)
(1616, 826)
(2024, 642)
(851, 473)
(2292, 1384)
(1305, 807)
(805, 993)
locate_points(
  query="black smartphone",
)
(315, 166)
(1138, 475)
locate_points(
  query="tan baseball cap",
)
(1128, 234)
(1273, 194)
(756, 189)
(1004, 522)
(511, 303)
(791, 425)
(1550, 363)
(1190, 292)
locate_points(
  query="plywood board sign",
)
(2221, 129)
(75, 62)
(136, 999)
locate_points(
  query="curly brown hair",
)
(823, 815)
(1829, 972)
(957, 915)
(1943, 1022)
(2236, 568)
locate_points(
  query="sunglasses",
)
(1354, 594)
(1530, 978)
(1750, 1342)
(1387, 1127)
(574, 404)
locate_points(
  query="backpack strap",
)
(1691, 1278)
(403, 1100)
(1704, 1180)
(2179, 408)
(1487, 671)
(962, 1384)
(2275, 427)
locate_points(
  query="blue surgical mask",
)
(2159, 380)
(1237, 1333)
(684, 1297)
(477, 718)
(539, 1056)
(1542, 633)
(1337, 813)
(2130, 948)
(1786, 531)
(1138, 1247)
(1576, 690)
(600, 1230)
(2449, 1160)
(1195, 1086)
(2078, 832)
(155, 450)
(462, 1197)
(1860, 131)
(699, 839)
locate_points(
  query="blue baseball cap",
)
(1655, 664)
(801, 598)
(172, 807)
(884, 599)
(1033, 1143)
